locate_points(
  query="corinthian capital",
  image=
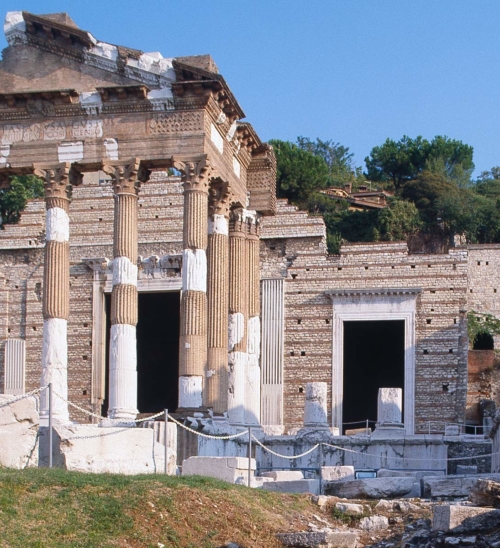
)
(195, 172)
(58, 179)
(126, 176)
(219, 198)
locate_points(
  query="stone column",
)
(193, 328)
(216, 378)
(126, 179)
(252, 395)
(55, 304)
(238, 307)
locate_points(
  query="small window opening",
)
(85, 324)
(299, 321)
(426, 351)
(327, 320)
(366, 268)
(445, 387)
(450, 351)
(487, 263)
(303, 353)
(301, 389)
(428, 321)
(413, 266)
(292, 353)
(432, 291)
(84, 392)
(34, 328)
(339, 268)
(454, 320)
(294, 276)
(478, 263)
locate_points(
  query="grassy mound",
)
(54, 509)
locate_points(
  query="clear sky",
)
(355, 71)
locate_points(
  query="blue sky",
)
(355, 71)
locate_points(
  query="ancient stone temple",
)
(161, 272)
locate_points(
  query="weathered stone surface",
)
(293, 486)
(463, 469)
(334, 473)
(283, 475)
(464, 519)
(374, 523)
(350, 509)
(390, 405)
(372, 488)
(315, 414)
(320, 500)
(486, 493)
(451, 486)
(18, 433)
(107, 450)
(331, 539)
(230, 469)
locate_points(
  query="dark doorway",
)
(484, 341)
(373, 359)
(157, 351)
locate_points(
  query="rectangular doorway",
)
(157, 351)
(374, 357)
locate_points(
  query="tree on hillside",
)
(396, 162)
(13, 200)
(398, 221)
(299, 172)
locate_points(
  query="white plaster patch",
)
(123, 372)
(57, 225)
(161, 99)
(55, 367)
(218, 224)
(70, 152)
(14, 24)
(252, 393)
(91, 101)
(194, 270)
(107, 51)
(236, 329)
(236, 167)
(232, 131)
(190, 391)
(217, 139)
(250, 215)
(237, 362)
(253, 337)
(111, 149)
(4, 154)
(124, 271)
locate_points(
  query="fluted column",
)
(238, 306)
(55, 304)
(252, 394)
(126, 178)
(216, 377)
(193, 328)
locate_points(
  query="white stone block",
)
(70, 152)
(337, 473)
(237, 362)
(218, 224)
(55, 368)
(216, 138)
(236, 329)
(194, 270)
(4, 154)
(190, 391)
(390, 405)
(462, 519)
(111, 149)
(350, 509)
(236, 167)
(19, 424)
(57, 225)
(371, 488)
(293, 486)
(283, 475)
(230, 469)
(124, 271)
(315, 413)
(253, 336)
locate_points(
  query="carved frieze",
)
(51, 131)
(174, 122)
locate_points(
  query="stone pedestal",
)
(315, 410)
(389, 414)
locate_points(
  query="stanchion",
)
(166, 439)
(50, 425)
(320, 464)
(249, 453)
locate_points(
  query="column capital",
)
(195, 173)
(219, 198)
(127, 175)
(57, 181)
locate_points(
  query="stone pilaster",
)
(238, 309)
(252, 380)
(55, 304)
(216, 378)
(193, 328)
(126, 178)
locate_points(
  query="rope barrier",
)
(209, 436)
(285, 456)
(22, 397)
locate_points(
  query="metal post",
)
(249, 452)
(367, 426)
(166, 439)
(320, 464)
(50, 425)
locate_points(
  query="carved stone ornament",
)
(219, 198)
(58, 179)
(126, 176)
(195, 173)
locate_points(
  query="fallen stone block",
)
(370, 488)
(283, 475)
(320, 500)
(293, 486)
(485, 493)
(462, 469)
(331, 539)
(230, 469)
(374, 523)
(451, 486)
(350, 509)
(115, 450)
(335, 473)
(19, 424)
(464, 519)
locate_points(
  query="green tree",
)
(399, 220)
(299, 172)
(13, 199)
